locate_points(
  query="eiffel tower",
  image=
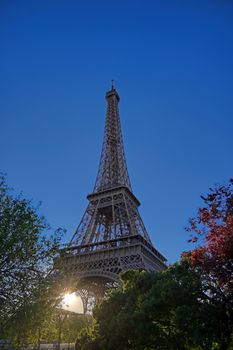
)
(111, 236)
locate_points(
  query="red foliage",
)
(213, 229)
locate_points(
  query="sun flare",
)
(69, 299)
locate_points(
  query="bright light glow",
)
(72, 302)
(69, 299)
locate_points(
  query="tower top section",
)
(112, 170)
(112, 93)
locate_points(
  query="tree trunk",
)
(59, 338)
(38, 339)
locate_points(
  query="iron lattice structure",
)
(111, 236)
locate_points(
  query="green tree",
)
(160, 311)
(27, 276)
(72, 326)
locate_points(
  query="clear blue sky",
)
(172, 62)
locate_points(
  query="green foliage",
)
(151, 310)
(88, 339)
(72, 326)
(64, 326)
(28, 281)
(45, 325)
(157, 310)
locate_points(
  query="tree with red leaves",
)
(212, 230)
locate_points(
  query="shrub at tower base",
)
(187, 306)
